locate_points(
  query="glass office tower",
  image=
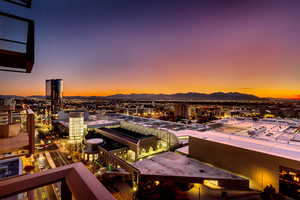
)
(54, 92)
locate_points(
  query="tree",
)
(269, 193)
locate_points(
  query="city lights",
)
(149, 100)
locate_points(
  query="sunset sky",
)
(104, 47)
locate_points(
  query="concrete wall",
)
(261, 169)
(14, 130)
(9, 130)
(4, 131)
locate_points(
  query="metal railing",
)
(76, 180)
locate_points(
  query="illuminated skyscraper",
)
(76, 125)
(54, 92)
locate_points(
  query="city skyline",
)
(150, 99)
(105, 48)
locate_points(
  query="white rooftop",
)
(290, 151)
(278, 137)
(173, 164)
(183, 150)
(100, 123)
(95, 141)
(93, 123)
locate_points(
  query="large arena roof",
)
(278, 137)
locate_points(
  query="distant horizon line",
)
(290, 98)
(139, 93)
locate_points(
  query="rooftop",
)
(158, 124)
(10, 144)
(284, 150)
(176, 165)
(108, 144)
(183, 150)
(100, 123)
(127, 134)
(265, 129)
(91, 123)
(277, 137)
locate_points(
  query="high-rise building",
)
(54, 92)
(76, 125)
(182, 111)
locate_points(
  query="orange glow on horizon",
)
(203, 48)
(263, 93)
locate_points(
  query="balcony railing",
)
(25, 3)
(16, 43)
(76, 180)
(17, 131)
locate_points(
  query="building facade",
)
(54, 92)
(261, 169)
(76, 126)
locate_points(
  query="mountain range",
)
(189, 96)
(186, 96)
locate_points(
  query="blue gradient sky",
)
(162, 46)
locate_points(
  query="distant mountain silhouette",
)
(190, 96)
(186, 96)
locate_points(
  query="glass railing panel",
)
(13, 34)
(25, 3)
(16, 43)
